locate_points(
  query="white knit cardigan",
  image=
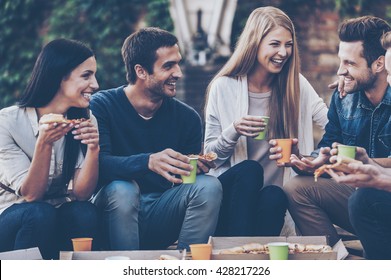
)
(228, 101)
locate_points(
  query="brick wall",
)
(318, 46)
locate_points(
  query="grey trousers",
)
(316, 206)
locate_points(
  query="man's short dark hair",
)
(140, 48)
(367, 29)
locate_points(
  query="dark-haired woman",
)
(39, 160)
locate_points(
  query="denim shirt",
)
(353, 120)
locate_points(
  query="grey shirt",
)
(258, 150)
(18, 136)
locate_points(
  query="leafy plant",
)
(20, 22)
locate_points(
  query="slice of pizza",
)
(211, 156)
(341, 165)
(58, 118)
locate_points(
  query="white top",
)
(229, 101)
(18, 136)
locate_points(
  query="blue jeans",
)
(39, 224)
(187, 213)
(248, 209)
(369, 213)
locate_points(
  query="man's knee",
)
(358, 201)
(122, 195)
(297, 186)
(208, 188)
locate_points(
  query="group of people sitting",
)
(124, 157)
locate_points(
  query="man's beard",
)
(364, 85)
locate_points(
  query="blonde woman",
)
(260, 79)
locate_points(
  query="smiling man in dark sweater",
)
(145, 135)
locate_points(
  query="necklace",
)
(144, 117)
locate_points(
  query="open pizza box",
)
(132, 255)
(339, 251)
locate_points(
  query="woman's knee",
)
(40, 214)
(251, 169)
(245, 178)
(274, 196)
(80, 212)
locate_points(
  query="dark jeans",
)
(39, 224)
(248, 208)
(370, 215)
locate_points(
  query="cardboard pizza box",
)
(23, 254)
(339, 251)
(132, 255)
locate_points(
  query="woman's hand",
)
(87, 133)
(50, 133)
(250, 126)
(203, 166)
(275, 151)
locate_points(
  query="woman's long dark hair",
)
(55, 62)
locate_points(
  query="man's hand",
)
(309, 165)
(275, 151)
(363, 175)
(339, 85)
(169, 163)
(361, 154)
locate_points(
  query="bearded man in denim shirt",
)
(370, 205)
(362, 119)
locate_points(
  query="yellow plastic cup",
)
(193, 174)
(201, 251)
(286, 146)
(262, 134)
(347, 151)
(278, 250)
(82, 244)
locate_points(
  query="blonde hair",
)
(285, 97)
(386, 40)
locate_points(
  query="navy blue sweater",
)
(127, 140)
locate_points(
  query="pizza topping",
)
(211, 156)
(58, 118)
(257, 248)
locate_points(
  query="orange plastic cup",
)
(82, 244)
(286, 146)
(201, 251)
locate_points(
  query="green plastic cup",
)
(347, 151)
(192, 177)
(278, 250)
(262, 134)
